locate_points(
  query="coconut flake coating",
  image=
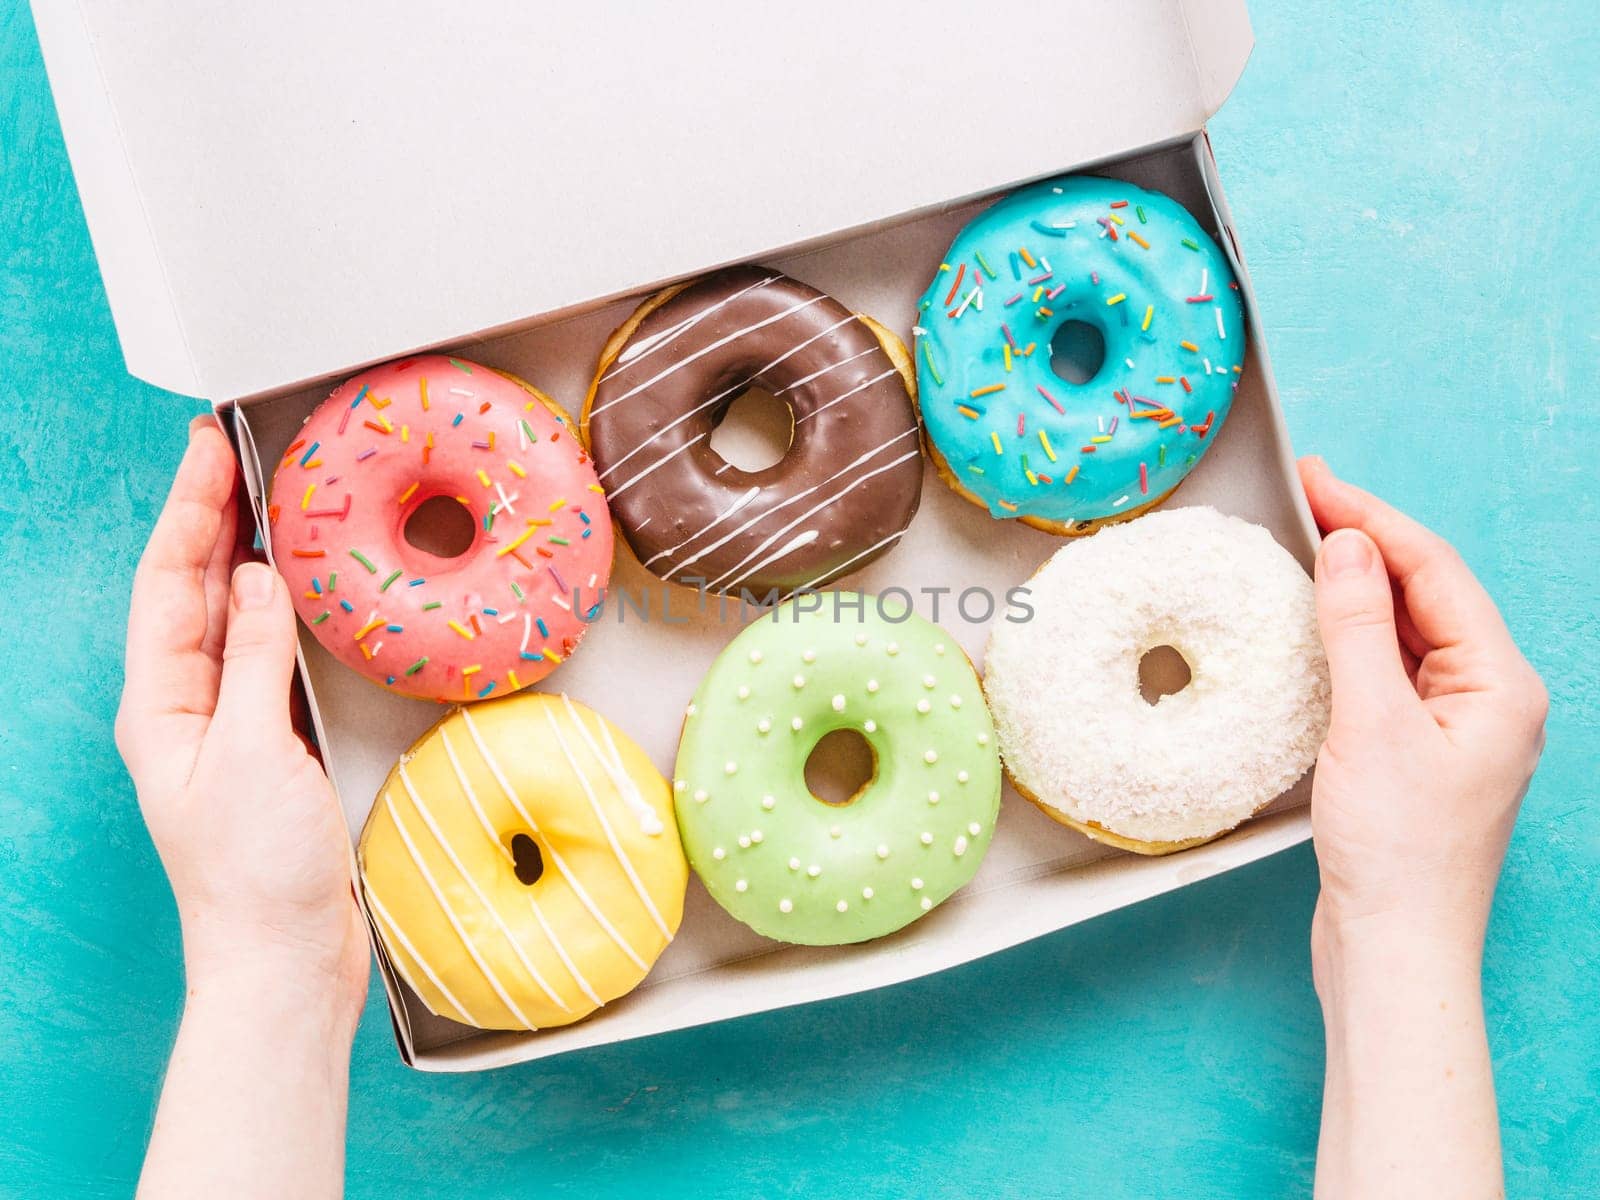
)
(1077, 735)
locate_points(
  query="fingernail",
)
(1348, 552)
(252, 586)
(1316, 462)
(200, 422)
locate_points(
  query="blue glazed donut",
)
(1023, 415)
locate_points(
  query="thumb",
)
(1355, 610)
(258, 654)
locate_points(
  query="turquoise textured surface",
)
(1111, 416)
(1415, 189)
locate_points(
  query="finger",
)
(1411, 641)
(258, 659)
(1355, 612)
(300, 720)
(169, 676)
(1446, 604)
(219, 570)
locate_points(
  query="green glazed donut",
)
(798, 869)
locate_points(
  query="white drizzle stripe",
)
(725, 393)
(858, 388)
(611, 760)
(472, 885)
(674, 423)
(701, 353)
(644, 347)
(472, 798)
(555, 944)
(455, 923)
(833, 366)
(843, 568)
(399, 935)
(708, 526)
(739, 569)
(794, 499)
(656, 466)
(561, 953)
(555, 856)
(599, 813)
(795, 543)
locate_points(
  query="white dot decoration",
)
(739, 719)
(700, 796)
(938, 649)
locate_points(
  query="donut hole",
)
(1077, 351)
(754, 431)
(441, 526)
(526, 859)
(841, 767)
(1163, 671)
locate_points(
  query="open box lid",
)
(280, 192)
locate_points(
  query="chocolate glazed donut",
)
(843, 493)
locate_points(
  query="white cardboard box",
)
(282, 194)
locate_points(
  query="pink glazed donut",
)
(497, 617)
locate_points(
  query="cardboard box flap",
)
(279, 192)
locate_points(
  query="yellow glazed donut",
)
(522, 864)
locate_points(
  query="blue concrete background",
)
(1416, 186)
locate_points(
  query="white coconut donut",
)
(1076, 735)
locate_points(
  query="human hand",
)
(246, 823)
(1437, 725)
